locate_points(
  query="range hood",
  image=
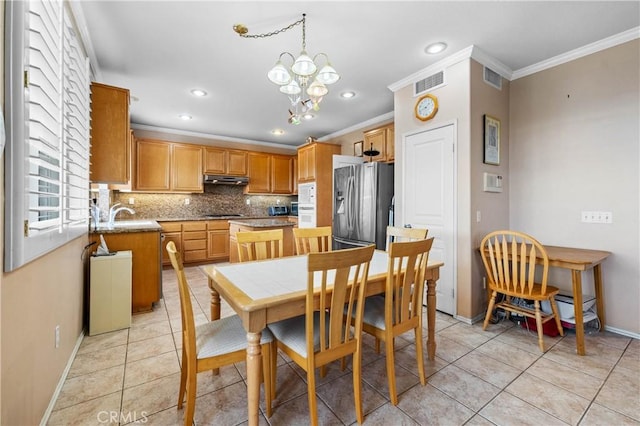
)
(226, 180)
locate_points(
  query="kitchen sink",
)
(128, 224)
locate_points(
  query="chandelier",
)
(302, 81)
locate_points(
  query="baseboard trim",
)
(622, 332)
(63, 378)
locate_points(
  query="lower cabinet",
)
(146, 278)
(198, 241)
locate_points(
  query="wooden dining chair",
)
(259, 245)
(312, 240)
(509, 259)
(398, 234)
(212, 345)
(400, 310)
(335, 290)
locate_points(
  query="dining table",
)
(577, 261)
(263, 292)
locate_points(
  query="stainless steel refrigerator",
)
(362, 195)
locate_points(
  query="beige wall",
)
(493, 207)
(574, 137)
(35, 298)
(453, 107)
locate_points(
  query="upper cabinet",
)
(382, 140)
(269, 173)
(313, 159)
(220, 161)
(166, 167)
(110, 136)
(307, 163)
(281, 174)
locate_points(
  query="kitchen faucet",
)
(113, 211)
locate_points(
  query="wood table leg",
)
(254, 362)
(576, 279)
(597, 282)
(431, 319)
(215, 313)
(215, 302)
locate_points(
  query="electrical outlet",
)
(57, 336)
(187, 201)
(131, 201)
(248, 201)
(478, 216)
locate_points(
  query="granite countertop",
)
(263, 223)
(146, 225)
(152, 225)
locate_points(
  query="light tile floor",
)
(479, 377)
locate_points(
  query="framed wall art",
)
(357, 149)
(491, 140)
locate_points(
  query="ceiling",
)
(160, 50)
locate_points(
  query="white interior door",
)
(429, 201)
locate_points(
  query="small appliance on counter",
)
(278, 211)
(294, 208)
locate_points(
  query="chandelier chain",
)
(281, 30)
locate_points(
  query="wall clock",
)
(426, 107)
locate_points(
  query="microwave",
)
(278, 211)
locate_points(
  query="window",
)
(47, 151)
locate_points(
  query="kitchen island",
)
(241, 225)
(142, 237)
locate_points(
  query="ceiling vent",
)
(428, 83)
(492, 78)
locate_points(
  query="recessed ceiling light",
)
(185, 117)
(308, 116)
(434, 48)
(348, 95)
(198, 92)
(277, 132)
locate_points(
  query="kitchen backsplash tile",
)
(217, 199)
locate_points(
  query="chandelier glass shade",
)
(302, 79)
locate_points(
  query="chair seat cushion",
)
(222, 336)
(291, 332)
(373, 313)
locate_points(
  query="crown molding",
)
(580, 52)
(197, 137)
(432, 69)
(488, 61)
(359, 126)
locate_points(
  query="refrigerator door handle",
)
(352, 242)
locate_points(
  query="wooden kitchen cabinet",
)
(259, 172)
(194, 241)
(218, 240)
(153, 165)
(269, 174)
(295, 175)
(171, 231)
(382, 139)
(197, 241)
(167, 167)
(307, 163)
(220, 161)
(146, 270)
(281, 174)
(110, 134)
(186, 170)
(315, 162)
